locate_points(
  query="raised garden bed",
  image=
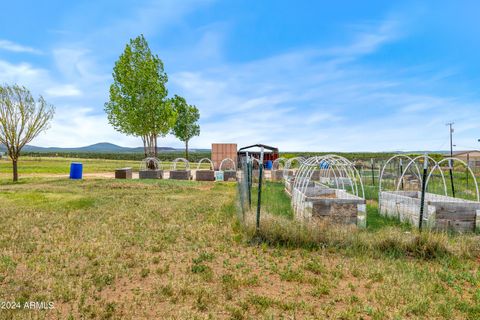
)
(205, 175)
(320, 203)
(441, 212)
(123, 173)
(150, 174)
(180, 175)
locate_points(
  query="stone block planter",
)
(332, 205)
(440, 212)
(205, 175)
(151, 174)
(123, 173)
(180, 175)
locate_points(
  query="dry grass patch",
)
(174, 249)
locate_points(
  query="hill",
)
(102, 147)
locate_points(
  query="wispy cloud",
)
(66, 90)
(326, 97)
(323, 99)
(15, 47)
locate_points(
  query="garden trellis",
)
(328, 188)
(182, 173)
(205, 174)
(420, 190)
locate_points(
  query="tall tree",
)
(138, 105)
(186, 126)
(21, 120)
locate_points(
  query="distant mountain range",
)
(102, 147)
(106, 147)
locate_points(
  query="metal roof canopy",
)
(259, 145)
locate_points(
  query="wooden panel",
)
(462, 215)
(449, 225)
(330, 208)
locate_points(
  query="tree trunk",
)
(15, 169)
(186, 149)
(156, 149)
(144, 146)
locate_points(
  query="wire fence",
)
(264, 193)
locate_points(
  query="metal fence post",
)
(468, 166)
(422, 199)
(451, 176)
(249, 180)
(401, 171)
(259, 199)
(373, 173)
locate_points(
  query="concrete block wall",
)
(330, 205)
(440, 212)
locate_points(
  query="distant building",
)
(471, 156)
(269, 153)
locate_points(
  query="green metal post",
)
(422, 199)
(259, 199)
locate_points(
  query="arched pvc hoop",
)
(438, 166)
(331, 164)
(212, 167)
(144, 163)
(341, 169)
(288, 165)
(220, 167)
(401, 156)
(187, 164)
(276, 163)
(414, 161)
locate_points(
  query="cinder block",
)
(180, 175)
(205, 175)
(123, 173)
(150, 174)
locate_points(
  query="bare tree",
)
(21, 120)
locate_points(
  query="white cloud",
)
(15, 47)
(66, 90)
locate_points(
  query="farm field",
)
(110, 249)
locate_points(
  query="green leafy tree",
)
(138, 103)
(186, 126)
(21, 120)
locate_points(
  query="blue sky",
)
(300, 75)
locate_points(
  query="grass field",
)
(49, 166)
(108, 249)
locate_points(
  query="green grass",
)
(107, 249)
(376, 221)
(274, 199)
(30, 167)
(37, 165)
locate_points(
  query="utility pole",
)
(450, 125)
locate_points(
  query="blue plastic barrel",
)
(324, 165)
(269, 165)
(76, 169)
